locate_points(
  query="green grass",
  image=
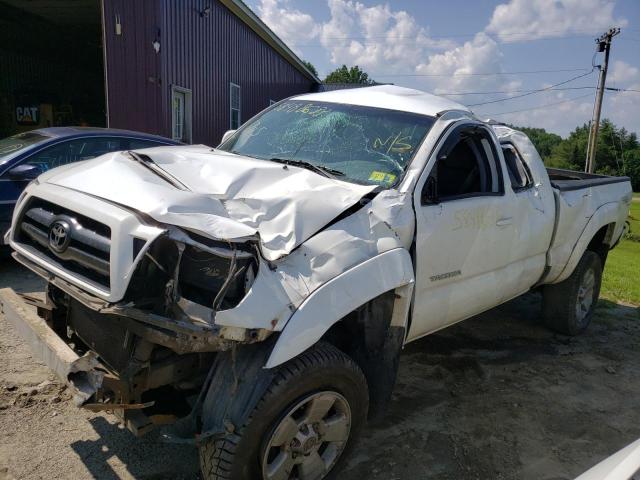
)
(634, 218)
(621, 280)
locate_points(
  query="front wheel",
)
(568, 306)
(301, 428)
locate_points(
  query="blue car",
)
(26, 155)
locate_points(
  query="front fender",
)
(341, 295)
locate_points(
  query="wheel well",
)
(367, 336)
(600, 243)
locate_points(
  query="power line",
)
(531, 92)
(488, 74)
(371, 41)
(514, 91)
(540, 106)
(460, 35)
(528, 36)
(622, 89)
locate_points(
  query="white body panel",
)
(622, 465)
(313, 270)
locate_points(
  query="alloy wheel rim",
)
(585, 298)
(308, 441)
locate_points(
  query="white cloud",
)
(623, 107)
(530, 19)
(622, 72)
(456, 69)
(560, 116)
(375, 37)
(381, 39)
(289, 24)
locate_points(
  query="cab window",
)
(518, 171)
(467, 166)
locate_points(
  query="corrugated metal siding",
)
(201, 53)
(206, 54)
(134, 89)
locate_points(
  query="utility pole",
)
(603, 45)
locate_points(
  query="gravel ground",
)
(495, 397)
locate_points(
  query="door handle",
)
(503, 222)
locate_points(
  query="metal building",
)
(185, 69)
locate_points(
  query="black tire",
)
(560, 301)
(321, 368)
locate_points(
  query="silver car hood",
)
(228, 197)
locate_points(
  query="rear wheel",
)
(568, 306)
(301, 428)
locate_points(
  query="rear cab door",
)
(466, 226)
(535, 210)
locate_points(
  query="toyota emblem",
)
(59, 236)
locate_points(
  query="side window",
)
(234, 104)
(467, 166)
(518, 170)
(181, 112)
(73, 151)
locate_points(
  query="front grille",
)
(85, 244)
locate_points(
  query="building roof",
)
(388, 96)
(245, 14)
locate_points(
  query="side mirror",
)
(26, 171)
(430, 192)
(227, 135)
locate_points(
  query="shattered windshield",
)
(359, 144)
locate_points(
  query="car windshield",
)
(11, 146)
(359, 144)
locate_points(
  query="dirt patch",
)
(497, 396)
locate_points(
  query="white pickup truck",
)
(257, 295)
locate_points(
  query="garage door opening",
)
(52, 58)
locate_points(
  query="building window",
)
(235, 106)
(181, 114)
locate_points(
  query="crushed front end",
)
(129, 320)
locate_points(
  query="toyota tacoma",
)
(253, 299)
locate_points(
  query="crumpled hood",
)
(229, 197)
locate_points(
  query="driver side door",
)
(464, 230)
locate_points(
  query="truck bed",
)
(584, 204)
(567, 180)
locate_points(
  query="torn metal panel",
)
(230, 197)
(80, 373)
(385, 223)
(336, 298)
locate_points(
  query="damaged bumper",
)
(81, 374)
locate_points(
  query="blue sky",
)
(446, 47)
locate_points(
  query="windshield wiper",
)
(320, 169)
(147, 161)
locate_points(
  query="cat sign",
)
(28, 115)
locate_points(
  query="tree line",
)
(618, 151)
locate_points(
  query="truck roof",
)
(388, 96)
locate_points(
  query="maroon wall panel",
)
(134, 88)
(201, 53)
(206, 53)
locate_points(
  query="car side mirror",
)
(227, 135)
(26, 171)
(430, 192)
